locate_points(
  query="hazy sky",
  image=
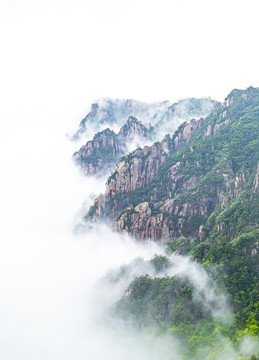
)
(63, 54)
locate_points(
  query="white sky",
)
(64, 54)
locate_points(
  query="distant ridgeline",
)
(139, 124)
(197, 190)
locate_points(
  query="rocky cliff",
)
(101, 154)
(198, 191)
(132, 129)
(193, 181)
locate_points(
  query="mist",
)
(49, 273)
(51, 302)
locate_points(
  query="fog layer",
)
(51, 306)
(47, 272)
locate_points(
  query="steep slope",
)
(100, 155)
(132, 129)
(212, 309)
(182, 185)
(199, 192)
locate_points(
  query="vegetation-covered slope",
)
(204, 177)
(199, 191)
(195, 311)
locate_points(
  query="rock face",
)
(199, 190)
(131, 129)
(137, 170)
(140, 223)
(203, 177)
(256, 179)
(140, 167)
(186, 133)
(100, 155)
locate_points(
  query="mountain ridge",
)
(211, 178)
(99, 155)
(196, 193)
(113, 113)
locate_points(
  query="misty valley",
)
(176, 225)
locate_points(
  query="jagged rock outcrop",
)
(164, 116)
(192, 182)
(114, 113)
(203, 197)
(136, 170)
(172, 220)
(140, 223)
(157, 119)
(96, 157)
(256, 179)
(133, 128)
(184, 136)
(100, 155)
(140, 167)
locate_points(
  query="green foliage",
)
(91, 212)
(160, 263)
(168, 305)
(233, 150)
(221, 170)
(181, 246)
(112, 176)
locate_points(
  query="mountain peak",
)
(238, 94)
(113, 113)
(132, 128)
(132, 119)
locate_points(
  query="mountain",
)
(196, 192)
(139, 123)
(113, 113)
(184, 184)
(100, 154)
